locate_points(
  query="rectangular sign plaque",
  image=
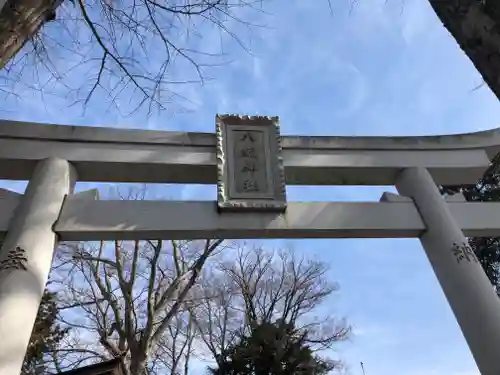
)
(249, 164)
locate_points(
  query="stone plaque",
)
(249, 164)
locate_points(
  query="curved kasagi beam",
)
(488, 140)
(118, 155)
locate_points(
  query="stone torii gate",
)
(250, 162)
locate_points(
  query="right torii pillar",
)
(466, 286)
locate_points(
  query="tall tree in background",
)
(149, 303)
(46, 336)
(140, 51)
(158, 305)
(487, 249)
(127, 300)
(258, 290)
(475, 25)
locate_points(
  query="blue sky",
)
(380, 68)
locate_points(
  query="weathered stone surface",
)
(465, 285)
(26, 256)
(118, 155)
(250, 174)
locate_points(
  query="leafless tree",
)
(125, 299)
(256, 286)
(134, 52)
(149, 302)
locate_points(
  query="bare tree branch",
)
(131, 51)
(258, 286)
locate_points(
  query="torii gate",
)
(251, 204)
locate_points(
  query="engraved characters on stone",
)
(250, 173)
(16, 259)
(248, 155)
(463, 251)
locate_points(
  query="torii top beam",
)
(116, 155)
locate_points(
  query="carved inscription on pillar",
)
(250, 165)
(16, 259)
(463, 252)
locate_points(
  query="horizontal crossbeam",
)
(134, 220)
(113, 155)
(129, 220)
(91, 220)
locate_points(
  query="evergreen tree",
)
(272, 349)
(46, 335)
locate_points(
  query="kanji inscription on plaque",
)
(250, 166)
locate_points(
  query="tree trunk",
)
(138, 364)
(475, 25)
(19, 22)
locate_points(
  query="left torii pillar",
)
(26, 257)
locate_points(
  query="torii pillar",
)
(26, 257)
(466, 286)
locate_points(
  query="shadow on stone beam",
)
(111, 367)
